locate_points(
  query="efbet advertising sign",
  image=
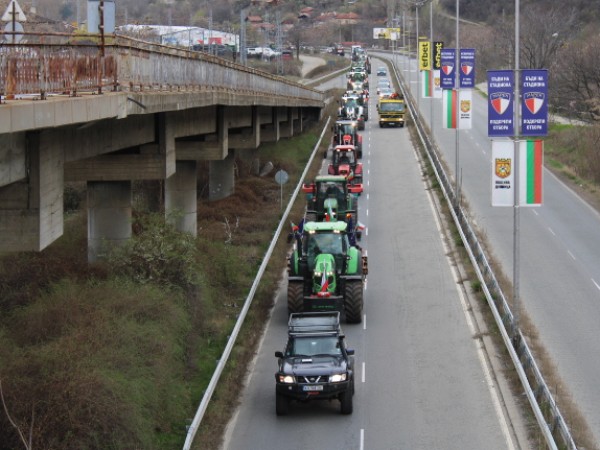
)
(424, 55)
(437, 55)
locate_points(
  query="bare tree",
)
(575, 78)
(543, 31)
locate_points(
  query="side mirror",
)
(279, 354)
(350, 351)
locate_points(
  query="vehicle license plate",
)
(313, 388)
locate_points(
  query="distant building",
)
(183, 36)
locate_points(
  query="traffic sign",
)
(281, 177)
(13, 9)
(8, 28)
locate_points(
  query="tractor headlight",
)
(288, 379)
(338, 377)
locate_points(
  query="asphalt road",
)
(559, 257)
(422, 381)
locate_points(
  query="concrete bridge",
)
(124, 110)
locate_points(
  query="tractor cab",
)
(344, 161)
(331, 198)
(345, 132)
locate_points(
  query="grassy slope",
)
(111, 357)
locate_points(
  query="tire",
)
(282, 405)
(380, 125)
(353, 301)
(346, 402)
(359, 153)
(295, 296)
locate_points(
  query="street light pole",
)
(516, 215)
(432, 72)
(457, 87)
(417, 6)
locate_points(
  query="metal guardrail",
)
(56, 63)
(193, 428)
(549, 418)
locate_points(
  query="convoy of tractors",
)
(327, 268)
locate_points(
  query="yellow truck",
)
(391, 111)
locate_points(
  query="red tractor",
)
(345, 132)
(344, 161)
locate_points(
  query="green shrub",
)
(100, 376)
(157, 253)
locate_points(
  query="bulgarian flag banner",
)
(457, 108)
(427, 83)
(531, 163)
(449, 108)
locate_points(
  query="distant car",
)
(381, 72)
(383, 84)
(269, 53)
(254, 52)
(385, 92)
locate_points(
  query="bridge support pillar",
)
(31, 209)
(181, 204)
(221, 181)
(109, 216)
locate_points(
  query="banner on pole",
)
(500, 84)
(534, 95)
(531, 164)
(530, 172)
(427, 81)
(437, 88)
(467, 68)
(457, 108)
(424, 55)
(503, 193)
(448, 61)
(437, 55)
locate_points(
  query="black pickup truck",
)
(315, 365)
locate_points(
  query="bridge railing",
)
(55, 63)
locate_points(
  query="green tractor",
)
(325, 271)
(331, 198)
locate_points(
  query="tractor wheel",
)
(359, 153)
(295, 296)
(353, 301)
(282, 405)
(346, 401)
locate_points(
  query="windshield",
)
(392, 107)
(346, 129)
(315, 345)
(342, 157)
(324, 243)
